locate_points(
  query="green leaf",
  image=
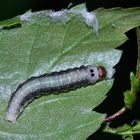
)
(126, 131)
(129, 99)
(123, 128)
(130, 137)
(131, 95)
(137, 127)
(135, 83)
(43, 45)
(10, 22)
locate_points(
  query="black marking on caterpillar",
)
(54, 82)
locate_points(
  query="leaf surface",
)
(42, 45)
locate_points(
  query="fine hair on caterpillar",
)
(55, 82)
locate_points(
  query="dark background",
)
(11, 8)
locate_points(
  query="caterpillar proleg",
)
(55, 82)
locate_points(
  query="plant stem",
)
(116, 115)
(138, 57)
(128, 131)
(116, 131)
(110, 130)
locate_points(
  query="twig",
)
(126, 132)
(138, 57)
(116, 115)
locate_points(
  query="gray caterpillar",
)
(55, 82)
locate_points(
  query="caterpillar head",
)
(102, 72)
(96, 74)
(99, 73)
(105, 73)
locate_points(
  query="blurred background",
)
(127, 64)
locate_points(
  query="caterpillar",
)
(55, 82)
